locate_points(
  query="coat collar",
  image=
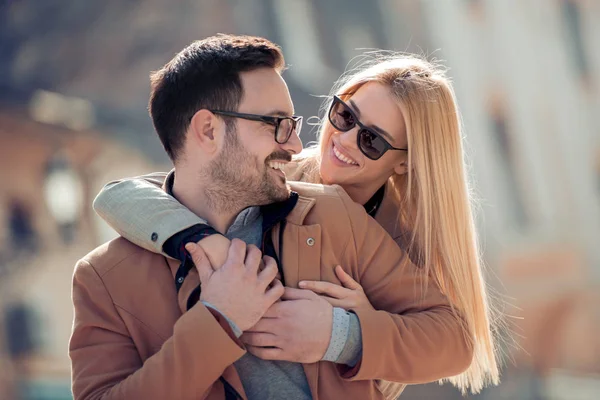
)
(168, 183)
(293, 210)
(300, 205)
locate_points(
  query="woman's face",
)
(343, 163)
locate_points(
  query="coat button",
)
(154, 236)
(310, 241)
(180, 279)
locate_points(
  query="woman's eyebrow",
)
(374, 127)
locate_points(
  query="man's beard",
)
(237, 179)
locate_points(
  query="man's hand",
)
(297, 329)
(237, 289)
(215, 247)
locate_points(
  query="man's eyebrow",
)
(374, 127)
(279, 113)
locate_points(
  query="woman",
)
(391, 138)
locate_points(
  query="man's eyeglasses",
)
(284, 126)
(370, 143)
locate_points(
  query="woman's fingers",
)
(330, 289)
(346, 304)
(346, 279)
(347, 297)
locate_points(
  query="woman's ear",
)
(203, 129)
(401, 168)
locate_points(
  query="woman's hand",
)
(350, 296)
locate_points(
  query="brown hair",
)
(205, 75)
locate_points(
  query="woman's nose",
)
(348, 138)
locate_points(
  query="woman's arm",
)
(143, 213)
(419, 337)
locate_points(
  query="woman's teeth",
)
(342, 157)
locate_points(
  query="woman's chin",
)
(325, 178)
(325, 172)
(329, 177)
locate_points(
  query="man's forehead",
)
(265, 92)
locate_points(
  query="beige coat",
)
(132, 338)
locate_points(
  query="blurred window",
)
(575, 44)
(303, 48)
(22, 235)
(21, 324)
(514, 196)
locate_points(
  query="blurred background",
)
(73, 94)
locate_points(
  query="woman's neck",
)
(361, 194)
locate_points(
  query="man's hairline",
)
(271, 113)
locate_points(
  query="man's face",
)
(247, 170)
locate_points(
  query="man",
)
(144, 330)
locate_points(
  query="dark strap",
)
(194, 297)
(230, 392)
(175, 247)
(375, 201)
(184, 269)
(268, 248)
(279, 264)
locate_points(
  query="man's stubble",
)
(237, 179)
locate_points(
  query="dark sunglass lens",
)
(341, 117)
(371, 144)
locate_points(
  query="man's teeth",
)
(276, 165)
(342, 157)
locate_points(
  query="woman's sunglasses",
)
(370, 143)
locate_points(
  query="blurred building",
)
(527, 77)
(49, 176)
(73, 96)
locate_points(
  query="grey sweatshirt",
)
(267, 380)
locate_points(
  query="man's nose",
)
(293, 145)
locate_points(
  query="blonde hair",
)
(434, 195)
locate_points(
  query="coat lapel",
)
(301, 250)
(301, 260)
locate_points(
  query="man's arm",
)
(107, 365)
(412, 335)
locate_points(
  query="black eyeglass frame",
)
(362, 128)
(268, 119)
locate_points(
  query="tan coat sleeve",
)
(107, 365)
(415, 337)
(138, 207)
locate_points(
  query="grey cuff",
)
(339, 334)
(352, 352)
(236, 331)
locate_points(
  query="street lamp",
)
(63, 191)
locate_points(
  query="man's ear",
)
(204, 128)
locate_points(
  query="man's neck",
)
(191, 193)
